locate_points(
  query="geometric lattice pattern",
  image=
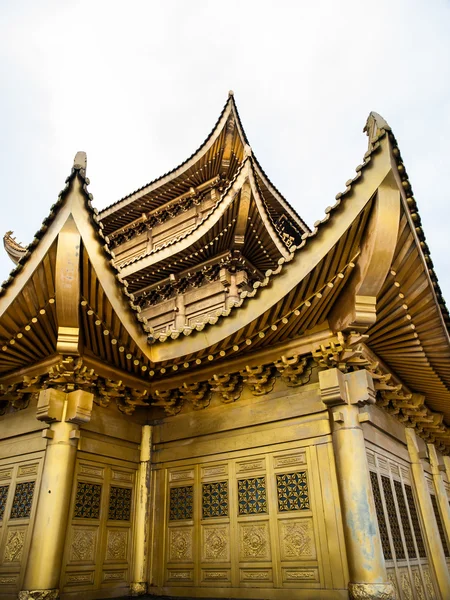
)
(119, 504)
(409, 540)
(87, 501)
(292, 489)
(252, 496)
(380, 517)
(23, 499)
(3, 496)
(437, 514)
(393, 519)
(215, 499)
(181, 503)
(415, 521)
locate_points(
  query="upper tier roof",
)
(220, 155)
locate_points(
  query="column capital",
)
(57, 405)
(354, 388)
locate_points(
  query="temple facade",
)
(200, 396)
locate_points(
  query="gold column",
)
(142, 515)
(343, 394)
(64, 412)
(436, 555)
(447, 467)
(441, 494)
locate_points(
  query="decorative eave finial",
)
(230, 93)
(375, 125)
(80, 161)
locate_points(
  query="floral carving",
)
(83, 544)
(255, 541)
(371, 591)
(117, 545)
(14, 546)
(216, 543)
(180, 544)
(297, 539)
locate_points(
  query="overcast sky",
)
(139, 85)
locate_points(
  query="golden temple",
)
(202, 397)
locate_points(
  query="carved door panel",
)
(400, 529)
(19, 487)
(98, 548)
(249, 522)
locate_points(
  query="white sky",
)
(139, 85)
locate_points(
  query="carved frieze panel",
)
(9, 580)
(418, 585)
(180, 575)
(184, 475)
(27, 470)
(215, 543)
(254, 541)
(297, 539)
(87, 500)
(214, 471)
(92, 471)
(429, 584)
(181, 504)
(119, 503)
(256, 576)
(181, 544)
(405, 584)
(115, 576)
(221, 576)
(83, 545)
(292, 491)
(252, 498)
(121, 476)
(300, 575)
(23, 500)
(215, 499)
(116, 545)
(299, 458)
(257, 464)
(5, 474)
(3, 498)
(80, 578)
(391, 577)
(15, 542)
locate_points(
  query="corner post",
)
(343, 394)
(64, 412)
(441, 494)
(141, 546)
(437, 557)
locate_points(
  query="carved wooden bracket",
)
(260, 379)
(228, 386)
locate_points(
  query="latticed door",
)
(402, 538)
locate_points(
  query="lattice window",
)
(181, 503)
(437, 514)
(407, 532)
(23, 499)
(252, 496)
(415, 521)
(119, 504)
(292, 489)
(87, 500)
(215, 499)
(380, 516)
(393, 519)
(3, 496)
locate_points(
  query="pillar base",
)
(371, 591)
(39, 595)
(138, 588)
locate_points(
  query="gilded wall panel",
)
(297, 539)
(115, 576)
(181, 544)
(178, 576)
(290, 460)
(254, 541)
(215, 543)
